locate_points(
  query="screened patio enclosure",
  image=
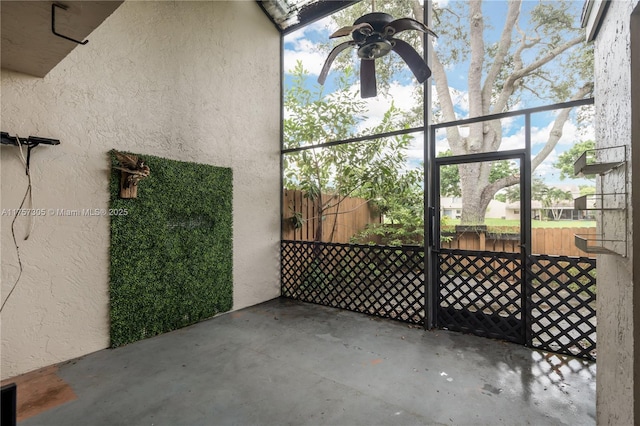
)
(465, 278)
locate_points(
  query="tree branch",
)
(533, 91)
(499, 184)
(498, 61)
(476, 63)
(545, 59)
(418, 11)
(446, 103)
(517, 55)
(510, 83)
(556, 129)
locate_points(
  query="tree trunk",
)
(484, 99)
(474, 198)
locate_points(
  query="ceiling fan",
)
(373, 36)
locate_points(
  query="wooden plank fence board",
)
(339, 224)
(354, 214)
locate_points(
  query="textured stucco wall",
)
(617, 313)
(191, 81)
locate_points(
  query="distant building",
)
(563, 210)
(452, 207)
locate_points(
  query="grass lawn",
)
(534, 223)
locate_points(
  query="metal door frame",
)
(431, 189)
(434, 226)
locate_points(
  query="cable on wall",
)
(31, 142)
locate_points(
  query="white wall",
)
(191, 81)
(617, 388)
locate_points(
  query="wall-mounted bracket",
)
(30, 142)
(53, 24)
(610, 202)
(589, 162)
(595, 243)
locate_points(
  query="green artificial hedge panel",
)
(171, 253)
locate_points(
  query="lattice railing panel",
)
(562, 297)
(383, 281)
(481, 293)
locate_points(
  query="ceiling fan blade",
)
(345, 31)
(327, 63)
(416, 64)
(404, 24)
(368, 78)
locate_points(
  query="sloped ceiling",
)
(28, 43)
(289, 15)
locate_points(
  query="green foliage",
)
(313, 118)
(316, 277)
(567, 158)
(585, 284)
(409, 232)
(575, 281)
(449, 178)
(390, 235)
(540, 191)
(587, 190)
(372, 169)
(171, 254)
(297, 220)
(552, 196)
(401, 202)
(540, 55)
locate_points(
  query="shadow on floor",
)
(288, 362)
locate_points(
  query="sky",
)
(304, 45)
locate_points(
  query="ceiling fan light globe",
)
(375, 49)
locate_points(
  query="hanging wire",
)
(28, 193)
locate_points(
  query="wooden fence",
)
(338, 224)
(341, 222)
(553, 241)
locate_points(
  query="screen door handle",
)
(432, 225)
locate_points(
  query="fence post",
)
(479, 230)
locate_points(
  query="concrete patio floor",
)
(286, 362)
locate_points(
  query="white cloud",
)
(459, 98)
(311, 58)
(442, 144)
(307, 53)
(321, 26)
(415, 151)
(546, 169)
(515, 140)
(400, 95)
(300, 47)
(324, 25)
(571, 134)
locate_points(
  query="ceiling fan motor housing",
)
(373, 37)
(377, 20)
(373, 44)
